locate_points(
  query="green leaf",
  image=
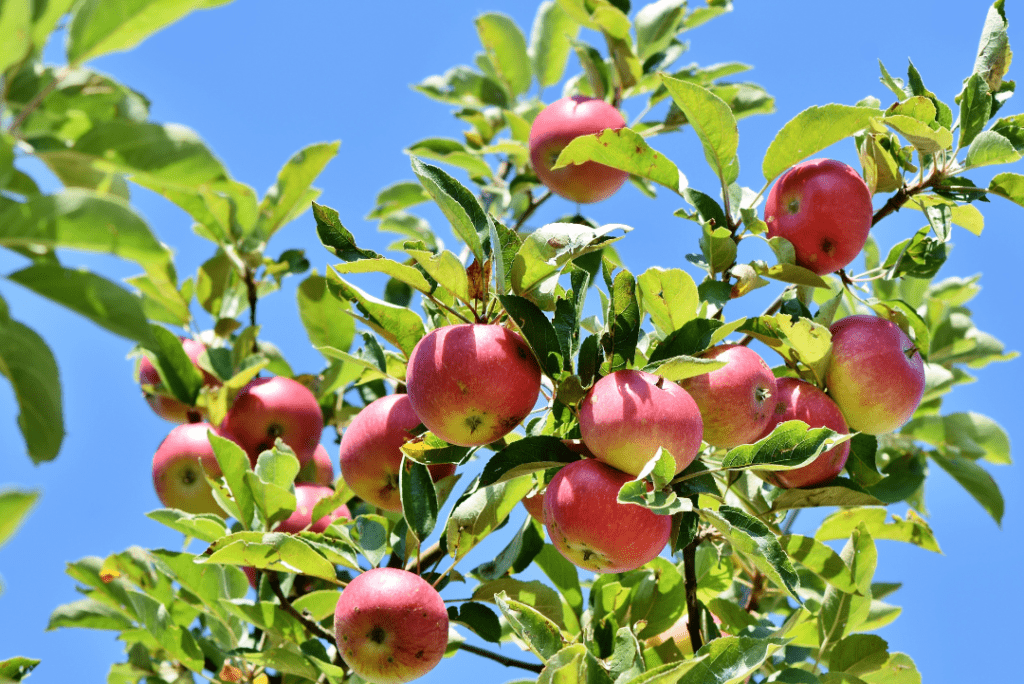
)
(924, 138)
(821, 560)
(838, 492)
(535, 594)
(481, 512)
(678, 368)
(458, 204)
(624, 322)
(975, 480)
(656, 26)
(419, 498)
(718, 248)
(975, 109)
(336, 238)
(102, 301)
(400, 326)
(537, 330)
(551, 42)
(859, 654)
(234, 464)
(525, 456)
(405, 273)
(539, 633)
(15, 27)
(269, 551)
(506, 49)
(478, 618)
(1009, 186)
(205, 526)
(284, 199)
(626, 150)
(517, 554)
(714, 123)
(790, 445)
(990, 147)
(98, 28)
(464, 87)
(811, 131)
(757, 542)
(14, 506)
(445, 268)
(90, 614)
(965, 216)
(564, 576)
(323, 316)
(839, 611)
(397, 197)
(669, 297)
(16, 669)
(451, 152)
(994, 53)
(914, 530)
(969, 434)
(176, 370)
(28, 364)
(898, 669)
(730, 659)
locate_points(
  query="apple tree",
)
(663, 459)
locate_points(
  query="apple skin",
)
(588, 526)
(736, 400)
(268, 408)
(628, 414)
(534, 501)
(177, 469)
(472, 384)
(390, 626)
(876, 374)
(318, 471)
(824, 208)
(306, 497)
(556, 126)
(168, 407)
(679, 632)
(800, 400)
(371, 451)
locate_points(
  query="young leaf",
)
(821, 560)
(205, 527)
(551, 42)
(975, 480)
(811, 131)
(536, 594)
(624, 322)
(626, 150)
(506, 49)
(481, 513)
(540, 634)
(457, 203)
(284, 199)
(669, 297)
(28, 364)
(14, 506)
(714, 124)
(400, 326)
(989, 147)
(975, 109)
(323, 316)
(914, 530)
(397, 197)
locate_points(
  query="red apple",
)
(306, 497)
(824, 208)
(371, 451)
(799, 400)
(178, 467)
(391, 626)
(736, 400)
(554, 128)
(166, 406)
(318, 471)
(588, 526)
(250, 574)
(268, 408)
(472, 384)
(876, 375)
(534, 501)
(628, 414)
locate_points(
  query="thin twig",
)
(529, 211)
(692, 607)
(498, 658)
(36, 101)
(312, 627)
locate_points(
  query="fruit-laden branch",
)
(692, 607)
(312, 627)
(498, 658)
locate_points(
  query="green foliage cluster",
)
(792, 608)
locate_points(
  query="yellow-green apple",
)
(371, 451)
(628, 414)
(390, 626)
(554, 128)
(472, 384)
(318, 471)
(268, 408)
(306, 497)
(679, 633)
(164, 405)
(178, 466)
(824, 208)
(736, 400)
(587, 524)
(800, 400)
(876, 374)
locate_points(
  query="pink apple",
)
(588, 525)
(472, 384)
(876, 375)
(306, 497)
(390, 626)
(800, 400)
(824, 208)
(554, 128)
(628, 414)
(268, 408)
(318, 471)
(679, 632)
(178, 467)
(534, 501)
(736, 400)
(371, 451)
(166, 406)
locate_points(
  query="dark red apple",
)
(268, 408)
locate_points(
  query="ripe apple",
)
(800, 400)
(588, 526)
(268, 408)
(472, 384)
(554, 128)
(166, 406)
(371, 451)
(178, 466)
(250, 574)
(318, 471)
(391, 626)
(876, 374)
(534, 505)
(824, 208)
(736, 400)
(679, 632)
(628, 414)
(306, 497)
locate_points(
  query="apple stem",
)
(498, 658)
(692, 605)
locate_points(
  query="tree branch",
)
(692, 606)
(311, 627)
(756, 590)
(431, 555)
(529, 212)
(498, 658)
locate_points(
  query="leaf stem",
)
(527, 214)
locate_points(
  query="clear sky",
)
(260, 79)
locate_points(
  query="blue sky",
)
(259, 80)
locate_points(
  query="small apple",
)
(390, 626)
(824, 208)
(679, 633)
(306, 497)
(736, 400)
(178, 466)
(800, 400)
(472, 384)
(371, 451)
(587, 524)
(628, 414)
(876, 374)
(318, 471)
(166, 406)
(554, 128)
(268, 408)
